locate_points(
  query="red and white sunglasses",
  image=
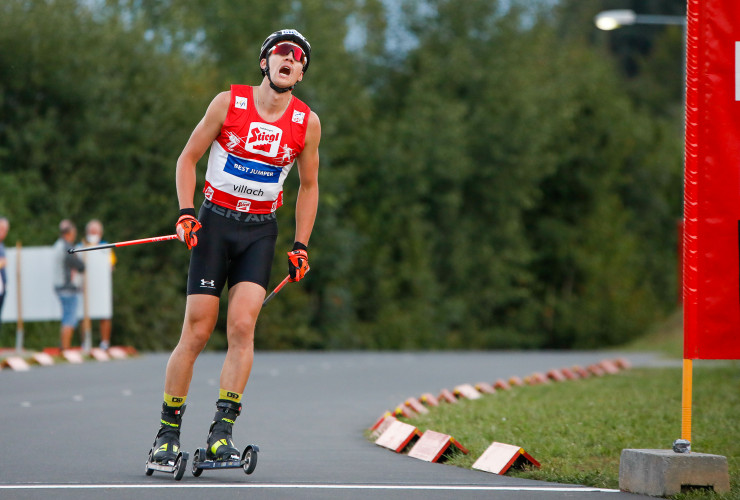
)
(285, 48)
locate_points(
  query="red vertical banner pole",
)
(712, 181)
(686, 399)
(711, 236)
(689, 244)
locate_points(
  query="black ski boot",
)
(220, 446)
(167, 443)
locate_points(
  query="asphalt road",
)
(83, 431)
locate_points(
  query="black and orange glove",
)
(187, 226)
(298, 261)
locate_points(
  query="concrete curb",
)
(665, 472)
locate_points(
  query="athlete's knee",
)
(200, 319)
(241, 331)
(194, 337)
(191, 346)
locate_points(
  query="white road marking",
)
(417, 487)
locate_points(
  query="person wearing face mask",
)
(68, 269)
(94, 236)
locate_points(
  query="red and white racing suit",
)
(251, 157)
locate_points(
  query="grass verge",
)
(578, 429)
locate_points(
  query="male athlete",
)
(255, 135)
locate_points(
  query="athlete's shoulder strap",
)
(241, 91)
(300, 106)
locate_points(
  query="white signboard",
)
(39, 301)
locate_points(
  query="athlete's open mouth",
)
(285, 70)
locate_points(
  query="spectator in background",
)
(94, 236)
(4, 227)
(67, 272)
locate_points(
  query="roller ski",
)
(165, 455)
(221, 452)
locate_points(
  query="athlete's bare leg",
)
(201, 313)
(245, 303)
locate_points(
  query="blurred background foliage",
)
(494, 174)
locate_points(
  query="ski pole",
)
(124, 243)
(285, 281)
(276, 290)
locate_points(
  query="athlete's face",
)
(285, 71)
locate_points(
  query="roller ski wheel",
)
(149, 471)
(199, 456)
(177, 467)
(248, 461)
(249, 458)
(180, 465)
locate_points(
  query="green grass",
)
(578, 429)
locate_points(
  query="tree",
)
(487, 178)
(92, 118)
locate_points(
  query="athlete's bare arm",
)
(203, 135)
(308, 172)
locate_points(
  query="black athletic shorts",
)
(233, 246)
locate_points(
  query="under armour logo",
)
(208, 283)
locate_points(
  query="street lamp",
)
(608, 20)
(613, 19)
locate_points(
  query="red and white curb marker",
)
(433, 446)
(16, 363)
(50, 355)
(397, 436)
(498, 458)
